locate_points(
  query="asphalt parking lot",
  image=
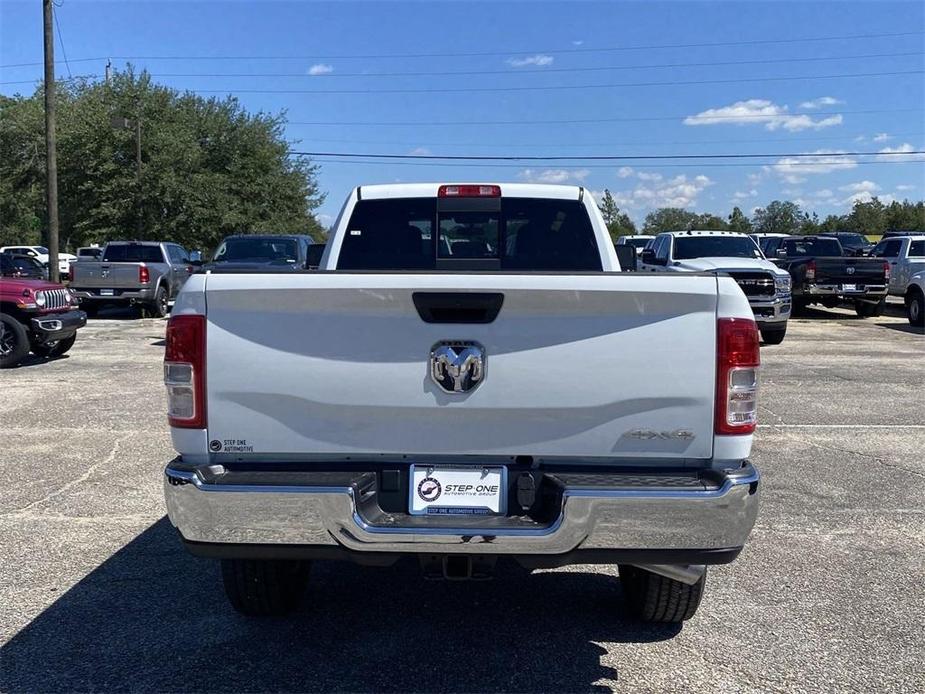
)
(96, 592)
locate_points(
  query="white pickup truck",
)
(460, 381)
(767, 286)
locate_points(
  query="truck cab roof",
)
(432, 190)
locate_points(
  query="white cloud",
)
(824, 194)
(743, 195)
(823, 161)
(882, 137)
(761, 111)
(867, 196)
(320, 69)
(578, 42)
(754, 178)
(554, 175)
(860, 138)
(861, 187)
(643, 176)
(679, 191)
(905, 186)
(900, 153)
(820, 102)
(420, 151)
(625, 172)
(539, 60)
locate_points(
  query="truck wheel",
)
(799, 307)
(91, 309)
(264, 587)
(868, 310)
(159, 307)
(14, 342)
(773, 337)
(655, 598)
(915, 309)
(54, 349)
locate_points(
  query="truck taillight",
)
(184, 371)
(886, 270)
(811, 270)
(469, 191)
(143, 275)
(737, 361)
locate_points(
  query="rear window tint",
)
(917, 248)
(129, 253)
(525, 234)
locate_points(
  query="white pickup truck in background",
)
(461, 382)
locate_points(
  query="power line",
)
(635, 119)
(571, 87)
(39, 79)
(548, 70)
(569, 167)
(607, 157)
(54, 15)
(475, 54)
(548, 145)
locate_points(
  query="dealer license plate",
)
(106, 292)
(469, 491)
(849, 287)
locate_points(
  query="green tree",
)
(905, 216)
(709, 222)
(739, 222)
(833, 222)
(809, 224)
(209, 167)
(618, 223)
(780, 216)
(668, 219)
(868, 217)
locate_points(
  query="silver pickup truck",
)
(144, 273)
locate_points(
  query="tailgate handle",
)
(457, 307)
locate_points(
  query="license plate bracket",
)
(106, 292)
(849, 287)
(457, 490)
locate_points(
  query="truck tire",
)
(264, 587)
(773, 337)
(865, 309)
(159, 308)
(655, 598)
(90, 308)
(799, 307)
(14, 342)
(915, 307)
(55, 349)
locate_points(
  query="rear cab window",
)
(133, 253)
(917, 249)
(813, 247)
(506, 233)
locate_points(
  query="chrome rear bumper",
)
(590, 518)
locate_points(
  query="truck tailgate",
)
(616, 366)
(104, 274)
(850, 270)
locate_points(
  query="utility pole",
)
(51, 165)
(138, 220)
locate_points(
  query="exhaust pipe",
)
(688, 574)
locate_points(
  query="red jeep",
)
(36, 316)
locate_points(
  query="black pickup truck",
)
(822, 274)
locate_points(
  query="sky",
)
(569, 79)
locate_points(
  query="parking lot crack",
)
(879, 461)
(114, 451)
